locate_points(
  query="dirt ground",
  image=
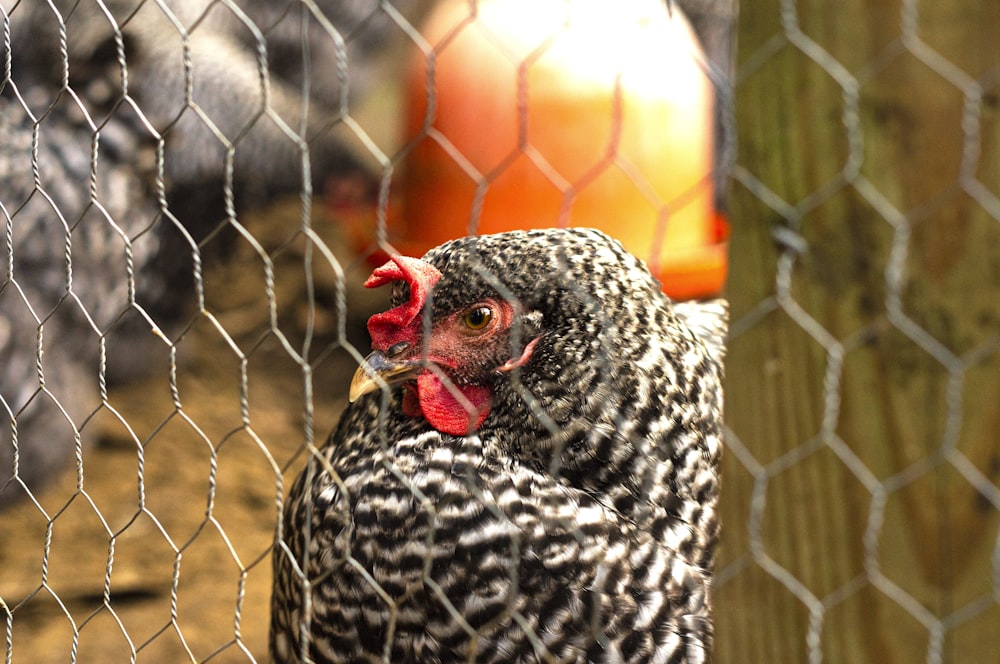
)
(159, 551)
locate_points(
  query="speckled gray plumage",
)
(578, 524)
(74, 242)
(262, 78)
(125, 111)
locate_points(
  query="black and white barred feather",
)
(578, 524)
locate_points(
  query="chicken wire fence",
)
(179, 317)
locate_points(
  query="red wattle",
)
(445, 412)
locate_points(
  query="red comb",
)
(397, 324)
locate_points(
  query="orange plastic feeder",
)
(540, 113)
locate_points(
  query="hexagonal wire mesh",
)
(180, 348)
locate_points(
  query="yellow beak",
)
(377, 371)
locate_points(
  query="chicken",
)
(528, 471)
(70, 282)
(235, 89)
(112, 171)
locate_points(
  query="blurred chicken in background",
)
(131, 131)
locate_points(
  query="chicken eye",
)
(478, 318)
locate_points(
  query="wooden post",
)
(860, 496)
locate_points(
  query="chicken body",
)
(575, 523)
